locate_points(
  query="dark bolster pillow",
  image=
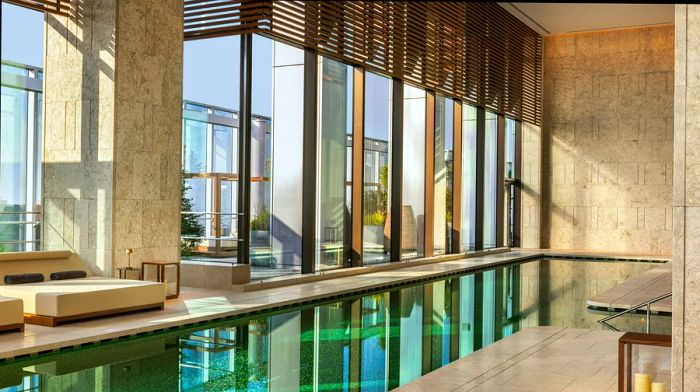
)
(61, 275)
(23, 278)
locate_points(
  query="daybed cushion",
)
(62, 298)
(45, 262)
(23, 278)
(11, 311)
(62, 275)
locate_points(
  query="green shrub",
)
(261, 221)
(190, 225)
(376, 218)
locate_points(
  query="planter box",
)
(373, 234)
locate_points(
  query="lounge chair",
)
(52, 302)
(11, 316)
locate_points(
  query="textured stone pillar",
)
(686, 202)
(112, 144)
(531, 186)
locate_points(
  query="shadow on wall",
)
(77, 180)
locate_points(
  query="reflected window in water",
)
(372, 342)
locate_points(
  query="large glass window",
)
(21, 130)
(413, 181)
(468, 233)
(210, 148)
(511, 182)
(377, 169)
(490, 179)
(277, 157)
(443, 176)
(334, 161)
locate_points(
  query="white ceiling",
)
(560, 18)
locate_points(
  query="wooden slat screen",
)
(476, 52)
(60, 7)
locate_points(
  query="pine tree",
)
(190, 226)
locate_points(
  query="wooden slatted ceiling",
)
(476, 52)
(61, 7)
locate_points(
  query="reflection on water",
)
(369, 343)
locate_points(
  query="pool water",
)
(372, 342)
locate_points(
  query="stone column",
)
(113, 131)
(686, 202)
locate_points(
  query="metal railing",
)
(604, 321)
(34, 223)
(215, 219)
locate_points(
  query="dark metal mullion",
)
(396, 168)
(427, 336)
(244, 157)
(500, 179)
(242, 357)
(394, 350)
(308, 211)
(478, 311)
(517, 199)
(499, 303)
(480, 153)
(515, 282)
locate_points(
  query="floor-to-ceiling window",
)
(511, 209)
(490, 179)
(469, 126)
(335, 111)
(377, 169)
(443, 176)
(21, 129)
(210, 148)
(413, 182)
(277, 157)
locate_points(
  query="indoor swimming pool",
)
(374, 341)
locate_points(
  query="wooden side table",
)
(124, 272)
(160, 274)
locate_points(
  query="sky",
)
(22, 35)
(212, 73)
(211, 67)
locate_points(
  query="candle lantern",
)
(644, 363)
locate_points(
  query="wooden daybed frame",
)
(46, 262)
(19, 327)
(51, 321)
